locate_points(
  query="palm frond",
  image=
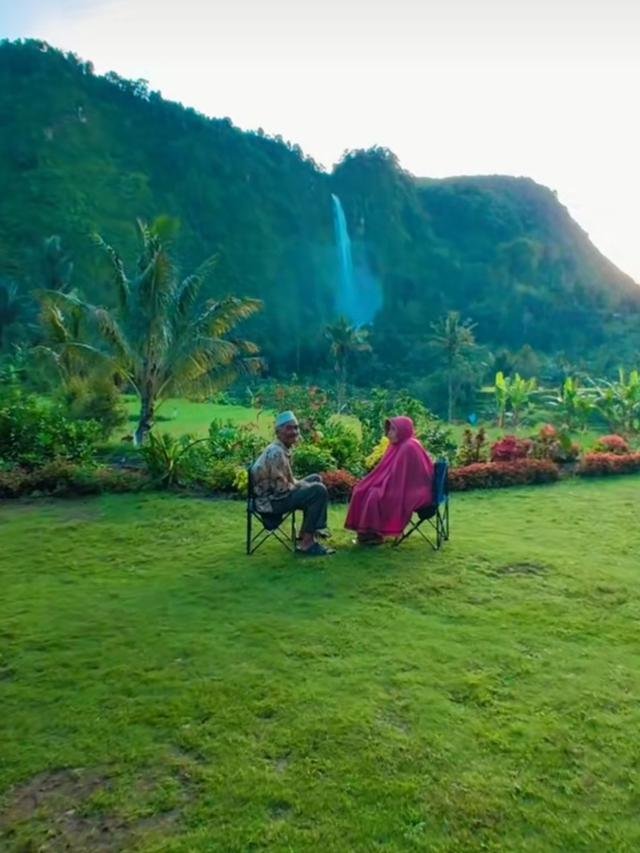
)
(120, 277)
(190, 287)
(218, 318)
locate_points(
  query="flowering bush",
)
(495, 475)
(339, 484)
(597, 464)
(510, 448)
(611, 444)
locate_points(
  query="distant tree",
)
(57, 265)
(14, 309)
(454, 341)
(346, 340)
(158, 339)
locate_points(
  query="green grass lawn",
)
(161, 691)
(180, 416)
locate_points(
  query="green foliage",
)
(346, 342)
(238, 442)
(33, 433)
(619, 402)
(372, 412)
(473, 447)
(343, 445)
(311, 459)
(454, 341)
(61, 478)
(514, 396)
(93, 398)
(572, 405)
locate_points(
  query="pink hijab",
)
(402, 482)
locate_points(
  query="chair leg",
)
(248, 532)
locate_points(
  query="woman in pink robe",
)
(383, 502)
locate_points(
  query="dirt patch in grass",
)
(523, 569)
(52, 806)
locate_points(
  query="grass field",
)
(161, 691)
(180, 416)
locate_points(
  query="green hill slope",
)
(82, 153)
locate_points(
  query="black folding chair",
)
(436, 514)
(270, 524)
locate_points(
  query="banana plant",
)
(619, 402)
(501, 392)
(573, 405)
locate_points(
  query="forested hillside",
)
(81, 153)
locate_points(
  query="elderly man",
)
(277, 490)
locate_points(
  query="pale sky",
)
(544, 88)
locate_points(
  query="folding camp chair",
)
(271, 524)
(436, 514)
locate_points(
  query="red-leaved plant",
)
(510, 448)
(339, 484)
(496, 475)
(611, 444)
(598, 464)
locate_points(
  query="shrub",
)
(33, 433)
(241, 481)
(223, 477)
(510, 448)
(343, 445)
(339, 484)
(164, 456)
(495, 475)
(65, 479)
(312, 459)
(611, 444)
(598, 464)
(95, 398)
(437, 439)
(554, 444)
(311, 404)
(473, 448)
(238, 442)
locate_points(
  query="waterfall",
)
(346, 301)
(358, 298)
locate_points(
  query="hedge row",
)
(498, 475)
(64, 479)
(599, 464)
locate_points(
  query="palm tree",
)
(345, 341)
(454, 340)
(157, 339)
